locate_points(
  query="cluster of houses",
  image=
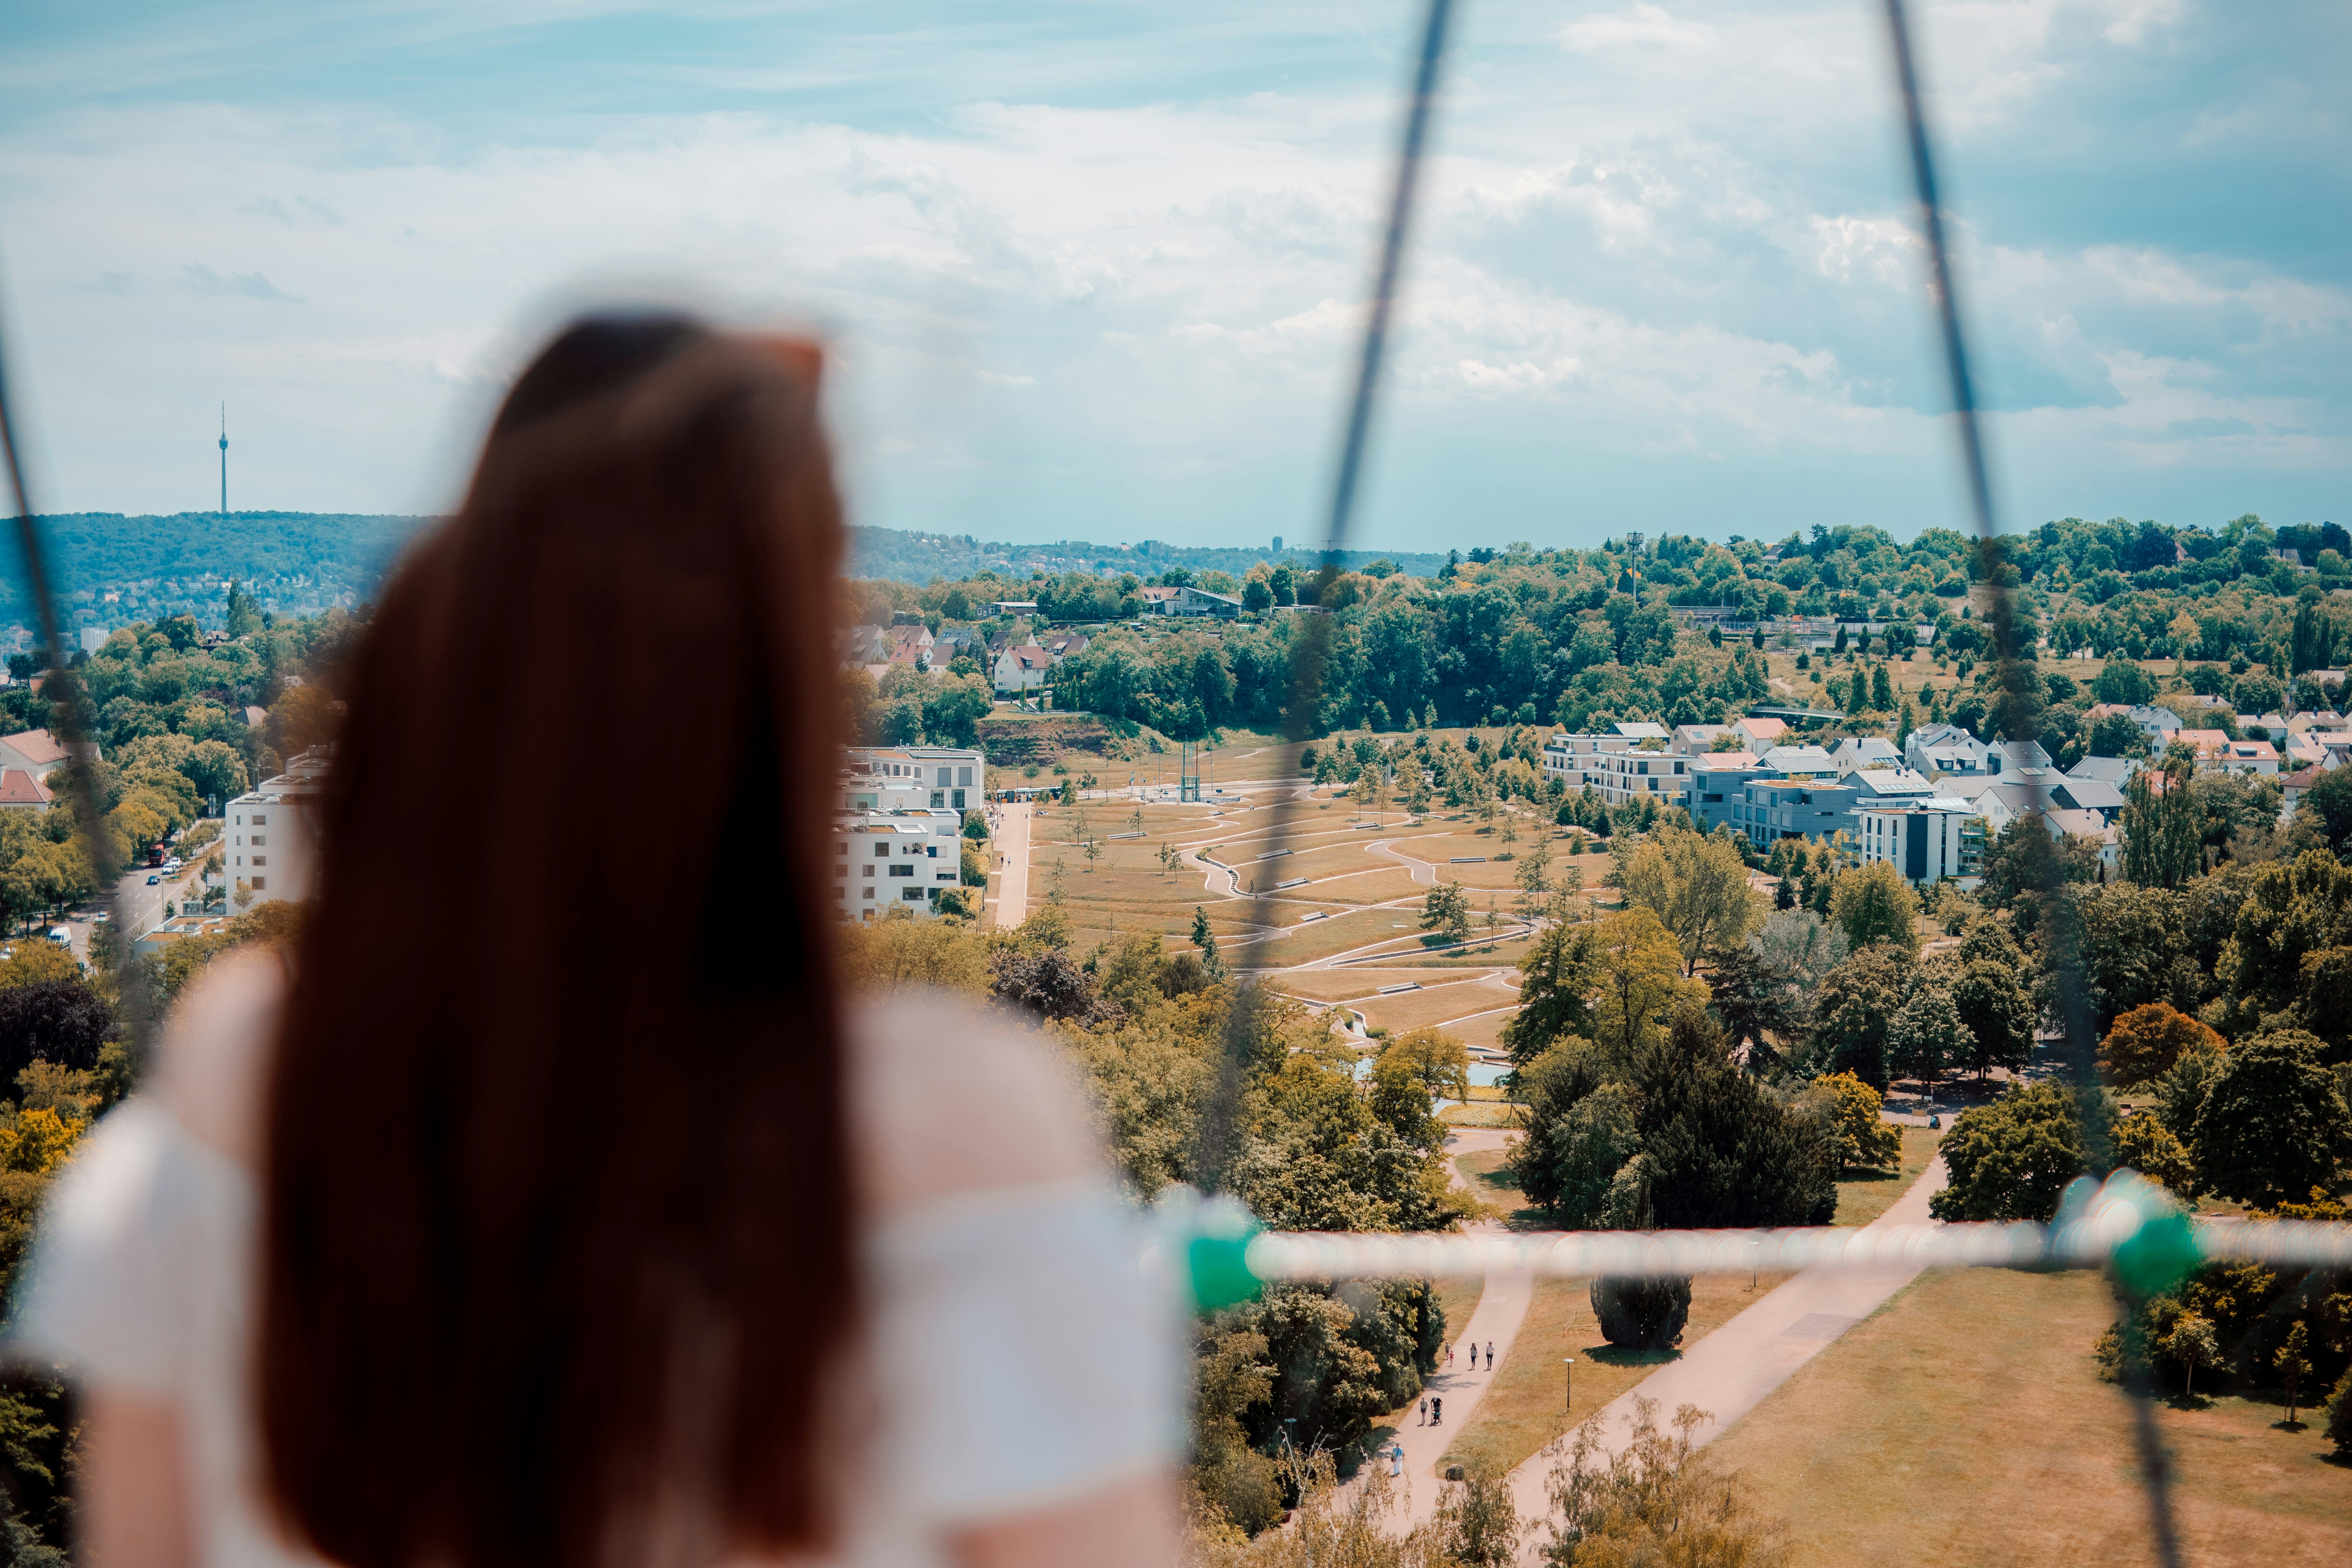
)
(1016, 664)
(898, 837)
(1929, 808)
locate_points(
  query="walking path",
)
(1013, 855)
(1730, 1371)
(1502, 1305)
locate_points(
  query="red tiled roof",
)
(18, 787)
(36, 746)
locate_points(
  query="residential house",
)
(1718, 788)
(2003, 801)
(36, 751)
(2293, 787)
(2216, 752)
(1760, 735)
(1573, 759)
(2091, 826)
(2116, 771)
(1795, 808)
(950, 778)
(897, 859)
(1189, 601)
(2157, 724)
(1948, 751)
(1012, 607)
(1926, 840)
(1060, 645)
(1856, 752)
(1697, 740)
(23, 790)
(1022, 668)
(909, 646)
(1629, 775)
(273, 834)
(2098, 797)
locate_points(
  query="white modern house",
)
(1927, 838)
(272, 834)
(896, 778)
(897, 859)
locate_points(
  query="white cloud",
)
(1638, 25)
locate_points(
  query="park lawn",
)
(1381, 882)
(1863, 1195)
(1370, 929)
(1483, 1032)
(1440, 1001)
(1479, 954)
(1338, 984)
(1523, 1408)
(1456, 1299)
(1480, 1115)
(1977, 1386)
(1487, 1173)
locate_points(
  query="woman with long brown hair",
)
(550, 1205)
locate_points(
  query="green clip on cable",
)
(1212, 1236)
(2145, 1236)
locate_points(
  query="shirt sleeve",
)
(1025, 1356)
(103, 1292)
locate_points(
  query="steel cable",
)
(73, 717)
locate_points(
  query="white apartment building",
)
(892, 778)
(272, 834)
(905, 859)
(1926, 840)
(1574, 760)
(1625, 777)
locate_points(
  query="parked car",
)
(62, 936)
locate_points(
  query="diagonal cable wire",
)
(1311, 645)
(2016, 708)
(66, 692)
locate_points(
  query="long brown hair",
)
(558, 1228)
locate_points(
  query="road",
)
(139, 908)
(1013, 855)
(1730, 1371)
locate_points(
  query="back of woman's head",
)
(557, 1175)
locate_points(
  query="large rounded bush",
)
(1641, 1314)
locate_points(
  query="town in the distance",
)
(1670, 883)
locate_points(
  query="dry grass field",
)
(1437, 1003)
(1525, 1407)
(1964, 1423)
(1863, 1196)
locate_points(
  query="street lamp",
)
(1569, 1362)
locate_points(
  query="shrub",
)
(2339, 1416)
(2011, 1159)
(1850, 1107)
(2273, 1123)
(1641, 1314)
(1654, 1499)
(2148, 1040)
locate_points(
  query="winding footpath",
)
(1731, 1371)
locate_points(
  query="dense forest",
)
(1582, 639)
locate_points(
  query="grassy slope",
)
(1964, 1424)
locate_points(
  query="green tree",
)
(2145, 1144)
(1926, 1034)
(1994, 1004)
(1533, 876)
(1206, 940)
(1882, 690)
(1852, 1007)
(2328, 803)
(2339, 1415)
(1638, 979)
(2292, 1365)
(1567, 1163)
(1698, 886)
(2162, 826)
(1446, 909)
(1558, 973)
(2010, 1159)
(2274, 1124)
(2193, 1346)
(1849, 1108)
(1874, 903)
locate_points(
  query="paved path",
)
(1012, 853)
(1730, 1371)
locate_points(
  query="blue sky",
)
(1094, 270)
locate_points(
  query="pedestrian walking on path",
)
(1422, 1420)
(1396, 1458)
(1437, 1411)
(1490, 1355)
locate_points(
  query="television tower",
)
(224, 444)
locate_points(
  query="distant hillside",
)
(296, 561)
(302, 561)
(918, 557)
